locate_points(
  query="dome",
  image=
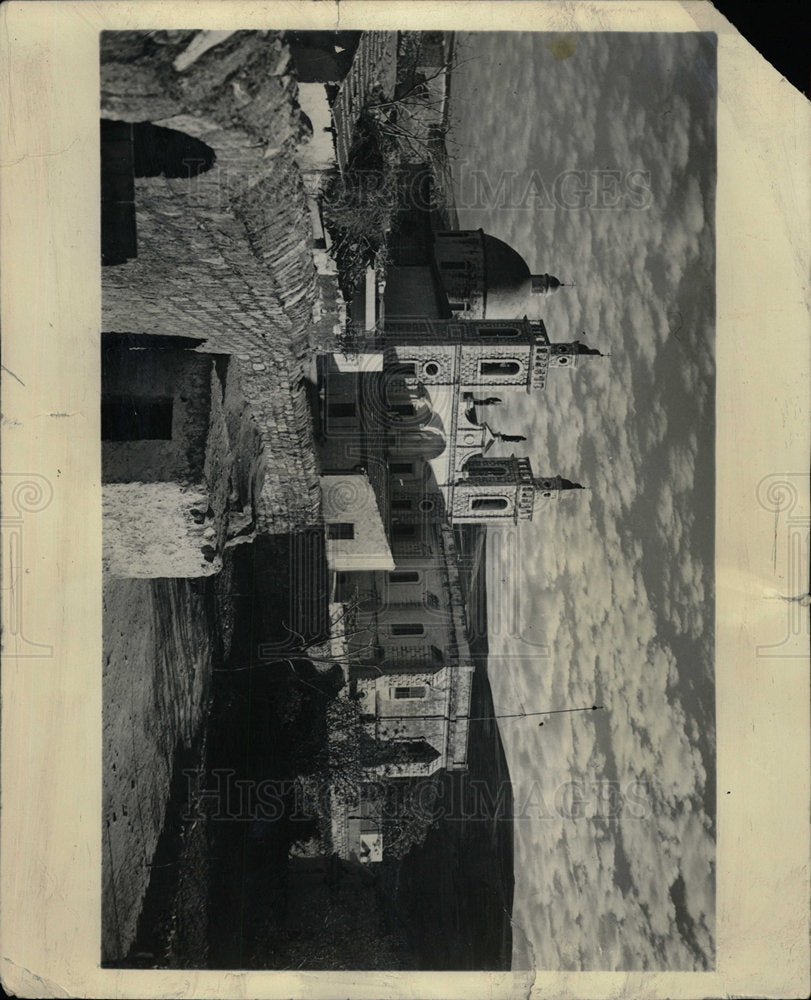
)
(507, 280)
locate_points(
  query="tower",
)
(568, 355)
(476, 354)
(485, 278)
(493, 489)
(543, 284)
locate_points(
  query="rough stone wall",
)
(225, 256)
(150, 530)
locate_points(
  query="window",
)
(489, 503)
(341, 409)
(406, 369)
(457, 306)
(485, 467)
(404, 530)
(404, 576)
(498, 331)
(402, 504)
(136, 418)
(401, 468)
(409, 692)
(499, 368)
(426, 505)
(408, 628)
(341, 531)
(453, 265)
(403, 409)
(432, 368)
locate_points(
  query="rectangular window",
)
(410, 628)
(406, 369)
(341, 530)
(401, 468)
(337, 410)
(404, 576)
(136, 418)
(409, 692)
(403, 409)
(402, 504)
(458, 306)
(404, 530)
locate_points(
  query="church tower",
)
(493, 489)
(568, 355)
(479, 354)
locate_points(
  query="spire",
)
(549, 486)
(542, 284)
(585, 349)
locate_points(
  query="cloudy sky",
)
(607, 596)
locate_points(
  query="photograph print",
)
(408, 424)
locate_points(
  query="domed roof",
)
(507, 279)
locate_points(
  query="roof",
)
(507, 280)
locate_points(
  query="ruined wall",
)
(225, 256)
(156, 530)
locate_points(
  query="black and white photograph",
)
(408, 427)
(405, 501)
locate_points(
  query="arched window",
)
(489, 503)
(502, 369)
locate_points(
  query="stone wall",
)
(225, 256)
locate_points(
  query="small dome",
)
(507, 280)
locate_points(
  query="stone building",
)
(412, 424)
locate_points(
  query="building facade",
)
(409, 424)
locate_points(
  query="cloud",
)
(614, 582)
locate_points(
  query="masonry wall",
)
(225, 256)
